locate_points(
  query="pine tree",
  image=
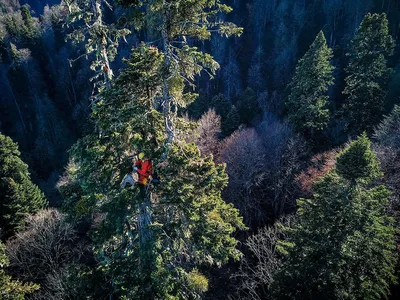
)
(308, 100)
(150, 245)
(18, 195)
(368, 74)
(179, 21)
(12, 289)
(343, 245)
(29, 29)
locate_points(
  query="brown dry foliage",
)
(321, 164)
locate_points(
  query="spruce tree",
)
(12, 289)
(307, 103)
(343, 245)
(18, 195)
(368, 74)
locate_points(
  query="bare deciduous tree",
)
(243, 154)
(257, 270)
(262, 165)
(208, 130)
(44, 250)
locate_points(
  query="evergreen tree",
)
(231, 123)
(151, 243)
(18, 195)
(358, 162)
(248, 106)
(368, 74)
(177, 22)
(221, 105)
(29, 29)
(343, 244)
(11, 289)
(308, 100)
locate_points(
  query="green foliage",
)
(248, 106)
(100, 39)
(18, 195)
(308, 100)
(190, 224)
(19, 27)
(231, 122)
(221, 105)
(29, 28)
(175, 23)
(12, 289)
(197, 281)
(343, 246)
(358, 162)
(368, 74)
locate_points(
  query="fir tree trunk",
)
(144, 221)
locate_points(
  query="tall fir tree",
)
(307, 103)
(368, 74)
(343, 245)
(18, 195)
(150, 241)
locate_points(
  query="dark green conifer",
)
(307, 103)
(18, 195)
(248, 106)
(231, 122)
(343, 245)
(221, 105)
(368, 74)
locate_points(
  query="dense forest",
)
(200, 149)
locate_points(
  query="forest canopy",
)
(208, 149)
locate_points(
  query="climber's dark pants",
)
(142, 190)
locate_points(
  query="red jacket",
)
(144, 170)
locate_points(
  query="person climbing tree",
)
(144, 169)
